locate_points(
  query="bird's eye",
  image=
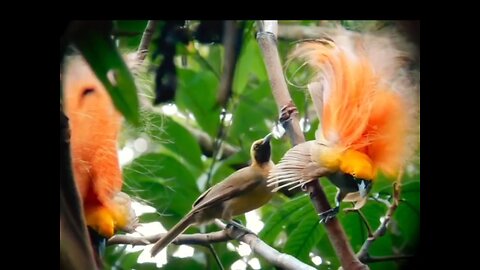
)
(87, 92)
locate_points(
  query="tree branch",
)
(298, 32)
(231, 44)
(387, 258)
(146, 40)
(362, 254)
(270, 254)
(183, 239)
(336, 234)
(207, 144)
(267, 42)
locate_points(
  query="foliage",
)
(171, 173)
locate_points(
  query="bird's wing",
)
(295, 168)
(236, 184)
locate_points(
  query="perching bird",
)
(241, 192)
(94, 127)
(365, 99)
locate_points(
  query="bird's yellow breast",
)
(357, 164)
(253, 200)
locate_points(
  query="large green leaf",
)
(250, 65)
(93, 40)
(287, 213)
(197, 93)
(164, 183)
(405, 227)
(304, 237)
(175, 137)
(255, 105)
(182, 263)
(215, 58)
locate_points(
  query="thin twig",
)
(231, 36)
(387, 258)
(146, 40)
(336, 234)
(216, 147)
(215, 255)
(362, 254)
(207, 144)
(281, 260)
(364, 220)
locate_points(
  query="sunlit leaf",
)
(306, 235)
(197, 94)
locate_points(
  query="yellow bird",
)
(241, 192)
(365, 98)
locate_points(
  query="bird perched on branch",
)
(94, 127)
(365, 99)
(241, 192)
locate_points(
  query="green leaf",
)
(405, 226)
(182, 263)
(287, 213)
(131, 32)
(146, 266)
(175, 137)
(226, 256)
(250, 65)
(93, 40)
(163, 182)
(197, 93)
(255, 106)
(215, 58)
(304, 237)
(129, 260)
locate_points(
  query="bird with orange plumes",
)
(365, 96)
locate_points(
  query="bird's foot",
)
(329, 214)
(243, 230)
(287, 111)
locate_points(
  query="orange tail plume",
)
(364, 94)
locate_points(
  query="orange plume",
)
(366, 97)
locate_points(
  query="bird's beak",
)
(267, 138)
(364, 188)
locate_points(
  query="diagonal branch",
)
(268, 45)
(146, 40)
(363, 218)
(281, 260)
(382, 228)
(370, 259)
